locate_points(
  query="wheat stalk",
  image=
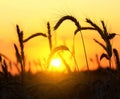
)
(4, 68)
(67, 17)
(74, 20)
(21, 54)
(34, 35)
(117, 59)
(105, 36)
(49, 36)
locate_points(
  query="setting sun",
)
(56, 63)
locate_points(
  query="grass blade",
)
(117, 59)
(18, 56)
(83, 28)
(100, 44)
(49, 36)
(105, 30)
(111, 36)
(34, 35)
(96, 28)
(67, 17)
(104, 56)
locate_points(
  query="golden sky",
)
(32, 16)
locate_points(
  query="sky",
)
(33, 15)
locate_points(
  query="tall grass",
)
(68, 84)
(117, 58)
(106, 38)
(49, 36)
(20, 52)
(74, 20)
(4, 68)
(102, 32)
(34, 35)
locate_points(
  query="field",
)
(99, 84)
(102, 83)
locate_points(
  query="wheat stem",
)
(110, 63)
(34, 35)
(84, 50)
(49, 36)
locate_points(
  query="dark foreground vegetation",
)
(97, 84)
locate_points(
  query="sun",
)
(56, 63)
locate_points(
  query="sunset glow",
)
(56, 63)
(32, 17)
(60, 49)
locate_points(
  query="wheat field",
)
(103, 83)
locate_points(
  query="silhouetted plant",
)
(49, 36)
(8, 60)
(97, 60)
(4, 68)
(34, 35)
(20, 54)
(117, 58)
(105, 36)
(73, 19)
(41, 86)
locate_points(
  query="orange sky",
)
(32, 16)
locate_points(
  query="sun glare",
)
(56, 63)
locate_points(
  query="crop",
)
(101, 83)
(105, 35)
(74, 20)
